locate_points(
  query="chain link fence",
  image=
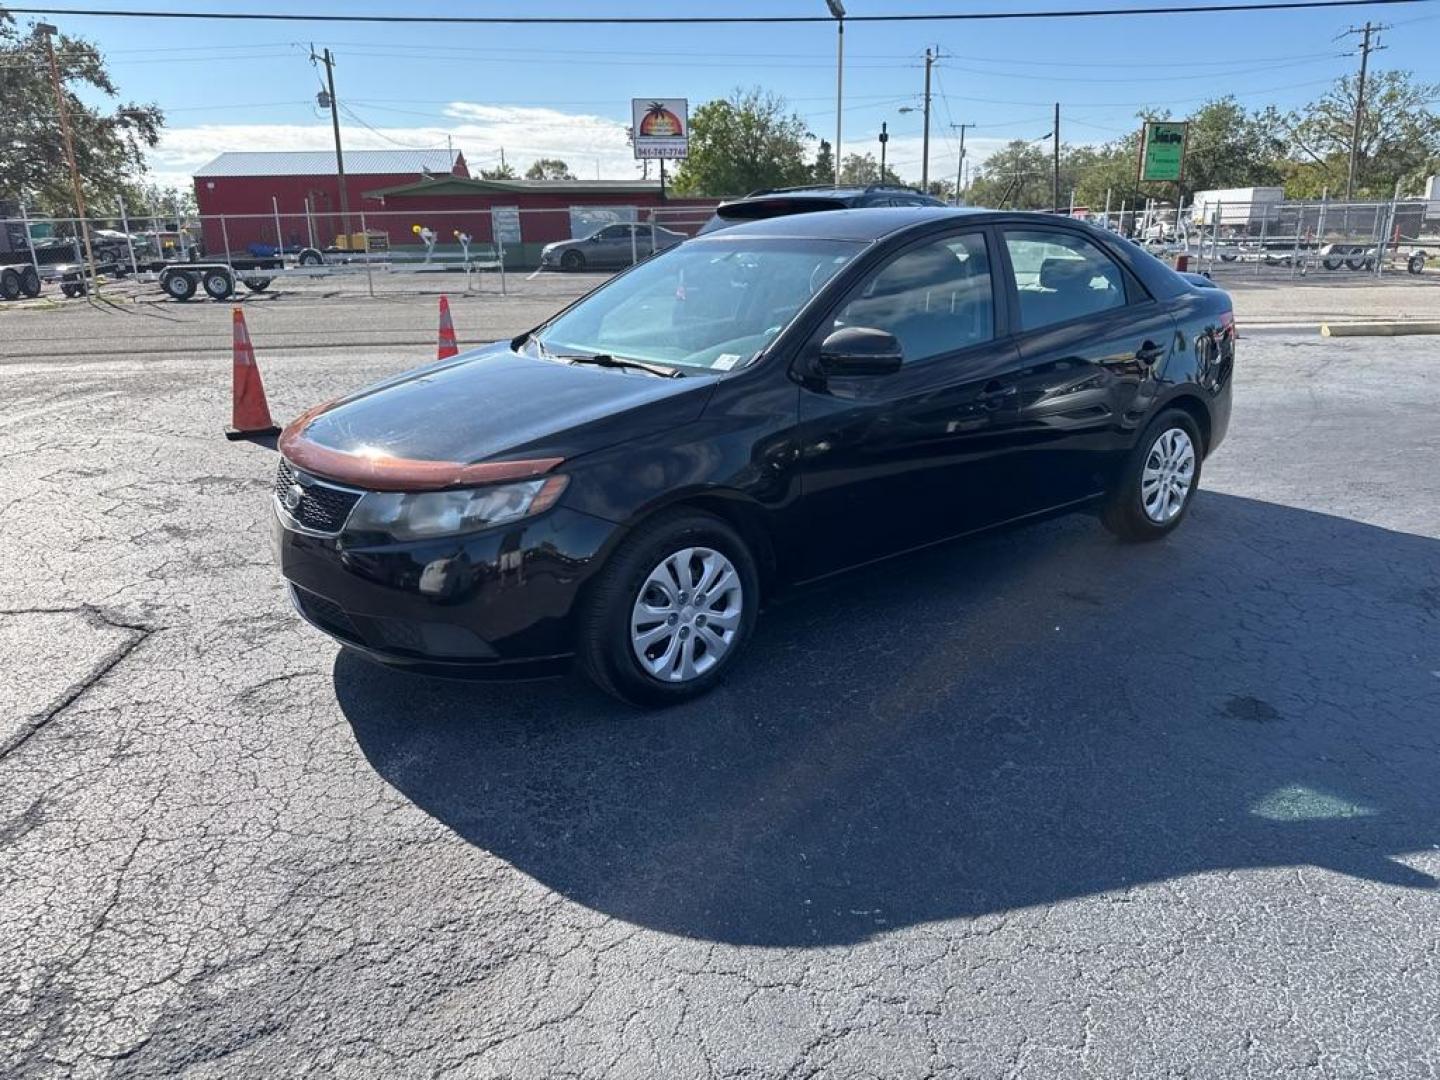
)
(158, 254)
(1359, 241)
(366, 252)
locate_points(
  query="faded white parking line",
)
(59, 406)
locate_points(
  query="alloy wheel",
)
(686, 615)
(1168, 475)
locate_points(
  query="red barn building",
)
(302, 188)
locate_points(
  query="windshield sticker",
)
(726, 361)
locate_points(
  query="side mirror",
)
(860, 350)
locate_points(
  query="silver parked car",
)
(614, 245)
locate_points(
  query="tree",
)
(1399, 136)
(548, 169)
(109, 146)
(146, 198)
(503, 171)
(824, 167)
(864, 169)
(1015, 177)
(744, 142)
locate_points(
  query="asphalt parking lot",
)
(1034, 805)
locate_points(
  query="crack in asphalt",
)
(138, 633)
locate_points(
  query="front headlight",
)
(403, 515)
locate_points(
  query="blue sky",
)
(565, 91)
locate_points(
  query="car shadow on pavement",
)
(1006, 722)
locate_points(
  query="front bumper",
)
(498, 603)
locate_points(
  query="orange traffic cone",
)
(250, 415)
(448, 345)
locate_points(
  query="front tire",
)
(572, 260)
(179, 285)
(670, 611)
(1158, 481)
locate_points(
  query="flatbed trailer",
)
(220, 279)
(24, 280)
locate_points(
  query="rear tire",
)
(9, 284)
(1142, 507)
(257, 284)
(218, 284)
(30, 282)
(610, 645)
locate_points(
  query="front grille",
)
(326, 614)
(322, 508)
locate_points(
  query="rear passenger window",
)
(935, 298)
(1060, 276)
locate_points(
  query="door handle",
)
(1148, 353)
(995, 393)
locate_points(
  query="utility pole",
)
(925, 162)
(1366, 48)
(329, 62)
(884, 138)
(1055, 175)
(47, 30)
(960, 162)
(837, 9)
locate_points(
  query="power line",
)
(706, 20)
(378, 133)
(1133, 104)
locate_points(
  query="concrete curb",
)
(1379, 329)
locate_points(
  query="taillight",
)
(1227, 323)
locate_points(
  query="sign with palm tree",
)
(661, 127)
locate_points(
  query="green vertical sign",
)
(1162, 150)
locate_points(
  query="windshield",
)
(712, 304)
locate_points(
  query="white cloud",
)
(585, 142)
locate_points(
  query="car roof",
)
(870, 223)
(832, 190)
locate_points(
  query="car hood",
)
(491, 414)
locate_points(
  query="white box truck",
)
(1239, 210)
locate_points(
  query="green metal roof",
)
(459, 185)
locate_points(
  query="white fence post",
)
(30, 241)
(129, 241)
(369, 271)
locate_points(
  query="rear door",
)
(1092, 343)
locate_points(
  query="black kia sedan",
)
(623, 486)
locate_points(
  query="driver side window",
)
(935, 298)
